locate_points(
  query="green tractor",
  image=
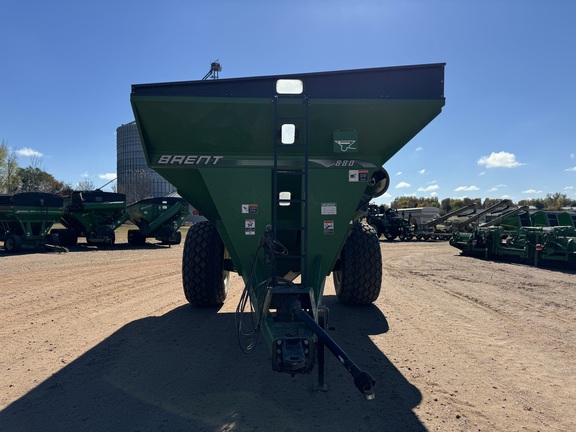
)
(389, 223)
(281, 167)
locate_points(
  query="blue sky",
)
(508, 129)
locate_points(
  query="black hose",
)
(362, 380)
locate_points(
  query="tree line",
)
(555, 201)
(15, 179)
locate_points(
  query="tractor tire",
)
(391, 233)
(13, 244)
(359, 279)
(204, 279)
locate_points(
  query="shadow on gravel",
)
(184, 371)
(83, 247)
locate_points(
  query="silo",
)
(134, 178)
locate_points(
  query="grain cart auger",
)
(279, 165)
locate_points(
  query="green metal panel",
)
(94, 214)
(222, 144)
(151, 214)
(29, 215)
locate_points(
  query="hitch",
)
(362, 379)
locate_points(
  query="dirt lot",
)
(103, 340)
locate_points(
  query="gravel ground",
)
(103, 340)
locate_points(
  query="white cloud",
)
(402, 185)
(433, 194)
(531, 191)
(429, 188)
(482, 173)
(28, 152)
(497, 187)
(419, 149)
(499, 160)
(571, 169)
(422, 171)
(399, 173)
(107, 176)
(569, 188)
(572, 155)
(466, 188)
(85, 175)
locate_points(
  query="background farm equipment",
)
(279, 166)
(388, 223)
(521, 235)
(93, 215)
(419, 219)
(158, 218)
(26, 218)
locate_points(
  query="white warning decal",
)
(357, 175)
(250, 227)
(328, 209)
(328, 227)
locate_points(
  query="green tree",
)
(33, 179)
(412, 201)
(8, 169)
(86, 185)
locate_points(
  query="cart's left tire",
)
(359, 279)
(204, 279)
(13, 243)
(176, 238)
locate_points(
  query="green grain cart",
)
(93, 215)
(26, 219)
(280, 166)
(159, 218)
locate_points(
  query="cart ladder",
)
(291, 167)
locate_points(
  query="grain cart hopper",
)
(93, 215)
(26, 218)
(158, 218)
(279, 165)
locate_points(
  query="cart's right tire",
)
(204, 279)
(359, 279)
(13, 244)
